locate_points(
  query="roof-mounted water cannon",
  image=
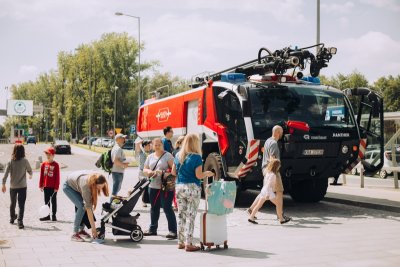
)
(280, 61)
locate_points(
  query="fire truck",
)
(234, 111)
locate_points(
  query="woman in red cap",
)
(49, 182)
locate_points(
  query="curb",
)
(364, 202)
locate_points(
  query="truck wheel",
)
(213, 163)
(383, 174)
(309, 190)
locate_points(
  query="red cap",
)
(50, 150)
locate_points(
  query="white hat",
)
(120, 136)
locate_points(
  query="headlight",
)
(345, 149)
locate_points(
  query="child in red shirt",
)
(50, 182)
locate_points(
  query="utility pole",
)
(318, 23)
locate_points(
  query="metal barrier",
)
(4, 141)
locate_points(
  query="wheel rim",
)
(382, 174)
(136, 235)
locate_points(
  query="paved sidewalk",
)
(377, 193)
(321, 234)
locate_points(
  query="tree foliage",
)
(84, 88)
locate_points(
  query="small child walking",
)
(17, 169)
(49, 182)
(272, 190)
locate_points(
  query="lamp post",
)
(139, 81)
(115, 105)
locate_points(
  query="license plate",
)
(313, 152)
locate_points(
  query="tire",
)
(213, 163)
(309, 190)
(383, 174)
(354, 171)
(136, 235)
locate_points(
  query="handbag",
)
(146, 195)
(168, 182)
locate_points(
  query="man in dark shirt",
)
(168, 133)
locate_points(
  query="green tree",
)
(389, 88)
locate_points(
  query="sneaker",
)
(12, 220)
(149, 233)
(171, 236)
(54, 218)
(77, 238)
(85, 236)
(21, 225)
(47, 218)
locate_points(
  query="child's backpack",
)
(105, 162)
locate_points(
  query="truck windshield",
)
(319, 108)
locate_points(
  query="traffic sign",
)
(133, 129)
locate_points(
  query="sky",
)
(192, 36)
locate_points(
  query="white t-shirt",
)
(162, 165)
(117, 153)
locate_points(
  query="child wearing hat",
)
(49, 182)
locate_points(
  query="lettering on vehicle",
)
(163, 115)
(314, 137)
(341, 135)
(313, 152)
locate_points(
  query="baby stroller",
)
(118, 216)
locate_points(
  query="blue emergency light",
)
(311, 79)
(233, 77)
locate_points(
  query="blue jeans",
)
(77, 199)
(117, 182)
(160, 198)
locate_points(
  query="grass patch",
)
(100, 150)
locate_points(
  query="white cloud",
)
(28, 69)
(374, 54)
(345, 8)
(388, 4)
(191, 44)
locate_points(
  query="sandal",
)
(286, 219)
(191, 248)
(249, 211)
(252, 221)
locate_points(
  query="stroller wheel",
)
(136, 235)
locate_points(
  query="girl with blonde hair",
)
(272, 190)
(83, 189)
(188, 169)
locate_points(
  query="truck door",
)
(229, 113)
(369, 111)
(192, 125)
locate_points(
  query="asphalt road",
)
(321, 234)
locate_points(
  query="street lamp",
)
(115, 105)
(139, 85)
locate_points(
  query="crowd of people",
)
(175, 173)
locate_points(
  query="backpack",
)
(105, 162)
(221, 197)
